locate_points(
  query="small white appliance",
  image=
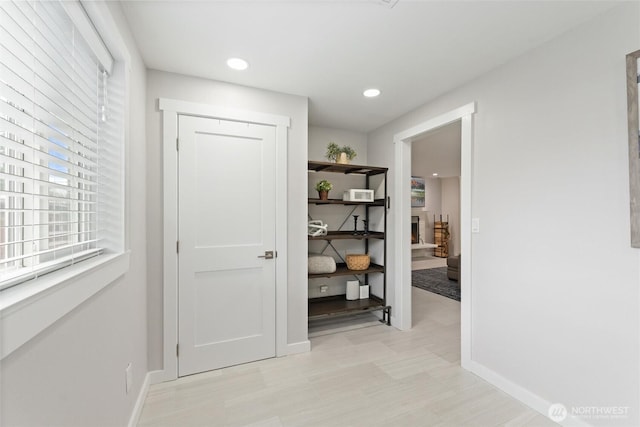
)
(353, 290)
(364, 291)
(357, 195)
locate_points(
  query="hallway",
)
(375, 376)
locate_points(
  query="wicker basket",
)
(358, 261)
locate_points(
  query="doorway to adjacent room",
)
(403, 153)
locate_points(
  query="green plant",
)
(323, 185)
(334, 150)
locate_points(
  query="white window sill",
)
(29, 308)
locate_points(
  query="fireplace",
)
(415, 230)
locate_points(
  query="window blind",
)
(52, 111)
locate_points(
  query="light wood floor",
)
(421, 263)
(375, 376)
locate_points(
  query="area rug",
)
(435, 280)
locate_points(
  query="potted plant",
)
(340, 154)
(323, 187)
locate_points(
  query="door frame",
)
(402, 225)
(171, 109)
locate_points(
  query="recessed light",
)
(237, 63)
(371, 93)
(434, 174)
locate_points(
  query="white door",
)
(226, 225)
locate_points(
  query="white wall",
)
(174, 86)
(72, 374)
(555, 284)
(320, 137)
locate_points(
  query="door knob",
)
(267, 255)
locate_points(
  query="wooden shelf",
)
(346, 169)
(339, 305)
(374, 178)
(377, 202)
(342, 270)
(348, 235)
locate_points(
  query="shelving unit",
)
(338, 305)
(342, 270)
(441, 238)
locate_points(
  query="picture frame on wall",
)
(417, 192)
(633, 113)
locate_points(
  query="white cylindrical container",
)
(353, 290)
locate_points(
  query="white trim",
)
(298, 347)
(436, 122)
(79, 17)
(466, 170)
(142, 396)
(402, 225)
(221, 112)
(30, 308)
(170, 259)
(171, 109)
(402, 306)
(103, 21)
(157, 377)
(281, 237)
(522, 394)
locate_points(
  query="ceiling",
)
(331, 50)
(437, 151)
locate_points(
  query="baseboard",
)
(520, 393)
(160, 376)
(142, 395)
(299, 347)
(395, 322)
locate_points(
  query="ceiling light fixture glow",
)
(435, 174)
(371, 93)
(237, 64)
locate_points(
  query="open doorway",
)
(435, 211)
(403, 142)
(435, 237)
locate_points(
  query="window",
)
(60, 145)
